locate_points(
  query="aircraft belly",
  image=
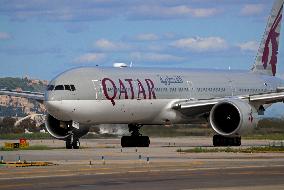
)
(124, 111)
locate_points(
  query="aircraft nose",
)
(52, 96)
(57, 109)
(52, 106)
(49, 96)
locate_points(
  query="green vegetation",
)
(176, 130)
(14, 108)
(268, 136)
(234, 150)
(7, 126)
(32, 136)
(39, 136)
(23, 83)
(268, 128)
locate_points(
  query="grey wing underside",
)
(38, 96)
(199, 108)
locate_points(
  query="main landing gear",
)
(219, 140)
(72, 142)
(136, 139)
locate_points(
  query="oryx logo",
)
(250, 117)
(272, 38)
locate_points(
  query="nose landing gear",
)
(136, 139)
(72, 142)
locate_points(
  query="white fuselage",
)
(146, 96)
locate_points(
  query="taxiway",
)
(102, 164)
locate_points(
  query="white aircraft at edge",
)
(229, 100)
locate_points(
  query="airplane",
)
(231, 101)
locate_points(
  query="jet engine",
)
(233, 117)
(63, 129)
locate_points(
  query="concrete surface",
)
(122, 168)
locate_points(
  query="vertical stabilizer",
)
(266, 58)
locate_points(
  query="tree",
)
(29, 124)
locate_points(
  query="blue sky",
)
(42, 38)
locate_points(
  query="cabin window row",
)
(252, 90)
(211, 89)
(61, 87)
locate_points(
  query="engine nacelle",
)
(233, 117)
(62, 129)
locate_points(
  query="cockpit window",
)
(72, 87)
(59, 87)
(50, 87)
(67, 87)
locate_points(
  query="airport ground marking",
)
(138, 171)
(15, 185)
(132, 171)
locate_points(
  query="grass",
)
(234, 150)
(33, 136)
(175, 131)
(268, 136)
(269, 128)
(40, 136)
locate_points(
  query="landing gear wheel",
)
(76, 144)
(68, 144)
(219, 140)
(136, 139)
(72, 143)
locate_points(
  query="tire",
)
(219, 140)
(76, 144)
(135, 141)
(68, 144)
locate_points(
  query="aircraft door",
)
(97, 88)
(233, 88)
(190, 89)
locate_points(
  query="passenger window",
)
(67, 87)
(59, 87)
(72, 87)
(50, 87)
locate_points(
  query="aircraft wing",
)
(268, 98)
(38, 96)
(200, 107)
(193, 108)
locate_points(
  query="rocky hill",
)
(16, 106)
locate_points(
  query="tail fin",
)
(266, 58)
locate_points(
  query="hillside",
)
(23, 83)
(16, 106)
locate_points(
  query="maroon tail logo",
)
(272, 37)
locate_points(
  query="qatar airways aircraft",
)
(230, 101)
